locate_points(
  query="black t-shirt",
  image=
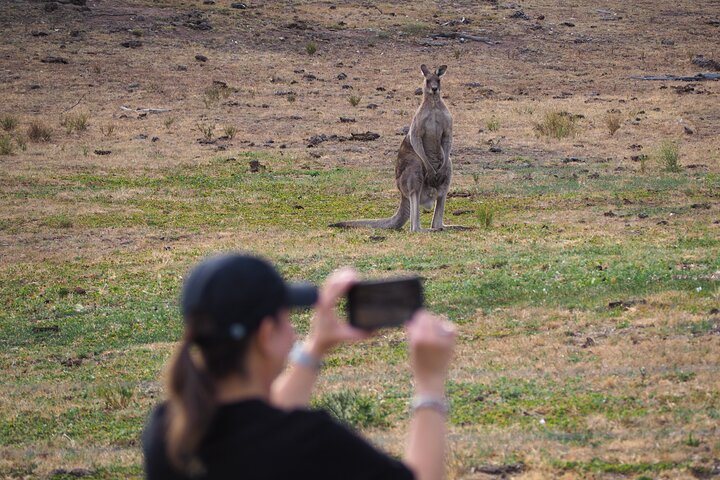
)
(253, 440)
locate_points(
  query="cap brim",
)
(301, 295)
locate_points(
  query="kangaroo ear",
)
(441, 70)
(425, 71)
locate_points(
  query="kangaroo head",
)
(432, 80)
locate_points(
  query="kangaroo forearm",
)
(425, 451)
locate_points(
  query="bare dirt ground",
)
(274, 77)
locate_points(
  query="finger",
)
(337, 284)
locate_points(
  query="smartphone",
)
(384, 303)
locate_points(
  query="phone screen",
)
(384, 303)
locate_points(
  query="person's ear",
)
(265, 334)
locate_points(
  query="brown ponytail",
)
(191, 407)
(192, 403)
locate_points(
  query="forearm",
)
(425, 450)
(293, 388)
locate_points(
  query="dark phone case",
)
(384, 303)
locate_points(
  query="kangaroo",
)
(422, 169)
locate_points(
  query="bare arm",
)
(294, 387)
(431, 345)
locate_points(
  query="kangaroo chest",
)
(434, 126)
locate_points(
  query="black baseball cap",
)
(234, 292)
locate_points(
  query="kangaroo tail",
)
(395, 222)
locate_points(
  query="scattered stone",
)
(47, 329)
(298, 207)
(103, 152)
(347, 87)
(707, 63)
(51, 59)
(643, 215)
(703, 206)
(453, 23)
(372, 106)
(589, 342)
(201, 58)
(75, 472)
(519, 14)
(197, 21)
(376, 238)
(495, 150)
(256, 166)
(457, 213)
(79, 291)
(594, 176)
(154, 139)
(626, 304)
(347, 120)
(208, 2)
(541, 17)
(141, 136)
(688, 130)
(667, 42)
(342, 76)
(610, 214)
(131, 44)
(714, 311)
(662, 222)
(316, 140)
(571, 160)
(50, 7)
(238, 5)
(181, 68)
(38, 33)
(503, 470)
(418, 91)
(309, 77)
(34, 86)
(364, 137)
(567, 24)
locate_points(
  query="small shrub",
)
(37, 132)
(311, 48)
(207, 131)
(476, 177)
(108, 130)
(138, 32)
(21, 142)
(415, 28)
(493, 124)
(77, 122)
(214, 93)
(354, 100)
(457, 53)
(6, 146)
(486, 214)
(692, 441)
(116, 397)
(58, 221)
(669, 157)
(8, 123)
(230, 132)
(169, 122)
(612, 122)
(557, 125)
(352, 408)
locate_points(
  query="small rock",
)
(154, 139)
(688, 130)
(707, 63)
(181, 68)
(201, 58)
(103, 152)
(347, 120)
(50, 7)
(568, 24)
(372, 106)
(79, 291)
(714, 311)
(589, 342)
(610, 214)
(667, 42)
(238, 5)
(132, 44)
(495, 150)
(519, 14)
(364, 137)
(704, 206)
(51, 59)
(38, 33)
(208, 2)
(347, 87)
(643, 215)
(376, 238)
(342, 76)
(662, 222)
(75, 472)
(502, 470)
(256, 166)
(418, 91)
(457, 213)
(141, 136)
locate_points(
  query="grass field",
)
(586, 291)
